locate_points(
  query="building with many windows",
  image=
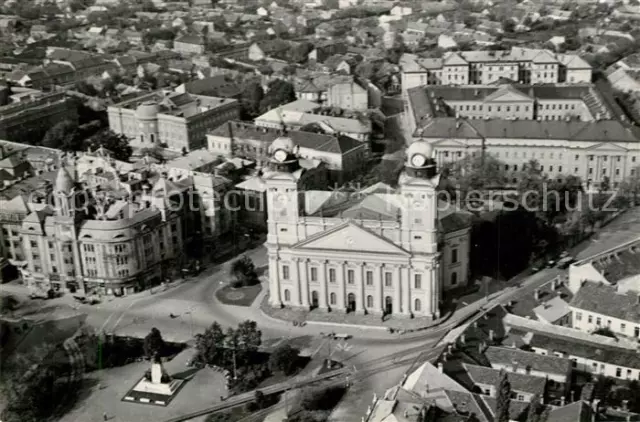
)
(601, 149)
(28, 114)
(523, 65)
(512, 102)
(177, 121)
(103, 241)
(380, 250)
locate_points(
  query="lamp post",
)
(190, 313)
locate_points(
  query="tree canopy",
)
(118, 145)
(153, 344)
(504, 398)
(279, 92)
(284, 359)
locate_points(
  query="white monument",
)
(159, 390)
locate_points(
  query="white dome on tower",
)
(419, 154)
(282, 143)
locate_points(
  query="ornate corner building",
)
(380, 250)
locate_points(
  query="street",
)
(378, 359)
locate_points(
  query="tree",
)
(249, 339)
(284, 359)
(279, 92)
(210, 346)
(508, 25)
(504, 398)
(244, 272)
(630, 187)
(117, 144)
(153, 344)
(475, 173)
(300, 52)
(605, 185)
(63, 135)
(252, 95)
(533, 413)
(36, 385)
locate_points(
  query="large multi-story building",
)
(512, 101)
(95, 240)
(600, 147)
(344, 156)
(383, 250)
(523, 65)
(300, 113)
(169, 119)
(32, 114)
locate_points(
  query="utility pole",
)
(190, 313)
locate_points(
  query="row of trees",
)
(68, 136)
(539, 216)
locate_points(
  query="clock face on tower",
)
(280, 155)
(418, 160)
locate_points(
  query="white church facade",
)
(383, 250)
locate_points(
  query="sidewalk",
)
(319, 317)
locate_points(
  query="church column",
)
(342, 300)
(304, 283)
(406, 298)
(296, 298)
(360, 304)
(397, 307)
(274, 282)
(435, 292)
(322, 299)
(378, 300)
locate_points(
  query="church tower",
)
(283, 212)
(419, 223)
(283, 202)
(419, 215)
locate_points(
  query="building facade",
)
(512, 102)
(524, 65)
(169, 119)
(392, 252)
(30, 118)
(597, 151)
(87, 243)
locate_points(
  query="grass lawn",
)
(244, 296)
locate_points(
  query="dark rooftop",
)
(547, 364)
(606, 300)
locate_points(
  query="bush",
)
(244, 272)
(310, 416)
(313, 399)
(285, 359)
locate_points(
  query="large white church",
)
(384, 250)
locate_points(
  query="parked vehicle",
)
(341, 336)
(565, 262)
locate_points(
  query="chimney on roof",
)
(536, 294)
(491, 335)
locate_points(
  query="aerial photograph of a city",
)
(319, 210)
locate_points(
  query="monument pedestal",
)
(159, 390)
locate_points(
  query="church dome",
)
(147, 110)
(284, 143)
(64, 181)
(420, 147)
(419, 154)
